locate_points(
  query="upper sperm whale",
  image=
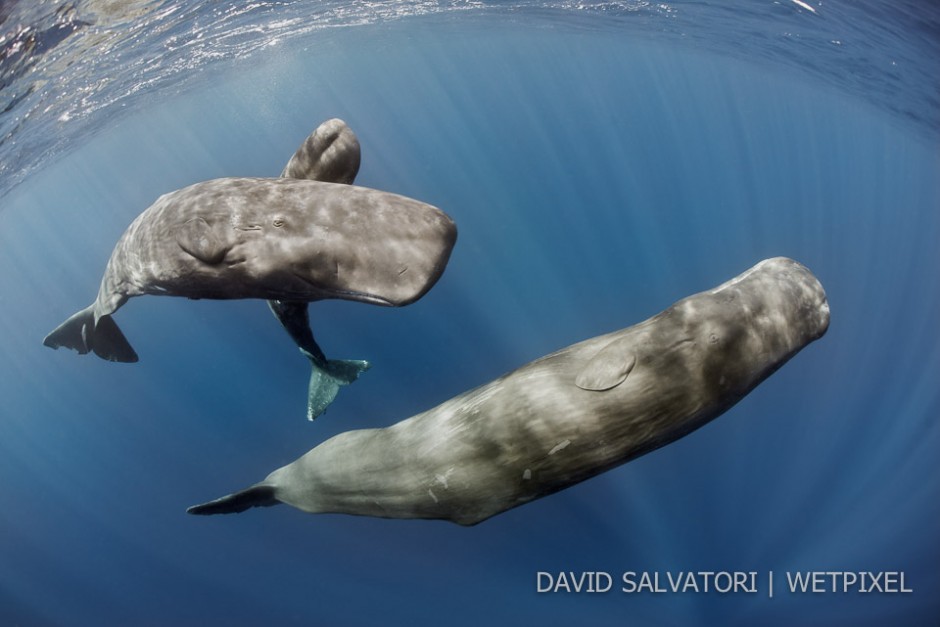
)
(280, 239)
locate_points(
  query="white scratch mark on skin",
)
(804, 5)
(431, 492)
(442, 479)
(559, 446)
(528, 473)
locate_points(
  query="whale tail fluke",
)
(326, 380)
(83, 334)
(259, 495)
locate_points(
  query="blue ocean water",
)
(601, 160)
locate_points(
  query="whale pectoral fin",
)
(326, 380)
(82, 334)
(256, 496)
(608, 368)
(197, 237)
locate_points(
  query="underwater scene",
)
(596, 312)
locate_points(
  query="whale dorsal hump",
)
(197, 238)
(608, 368)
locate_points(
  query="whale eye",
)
(278, 222)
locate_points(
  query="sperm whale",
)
(565, 417)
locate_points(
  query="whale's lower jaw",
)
(362, 297)
(325, 293)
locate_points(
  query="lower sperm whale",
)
(274, 239)
(565, 417)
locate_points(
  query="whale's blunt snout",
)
(823, 316)
(406, 267)
(810, 299)
(816, 304)
(370, 246)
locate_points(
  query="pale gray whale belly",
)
(565, 417)
(274, 239)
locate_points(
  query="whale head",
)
(746, 328)
(309, 240)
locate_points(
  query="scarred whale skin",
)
(565, 417)
(275, 239)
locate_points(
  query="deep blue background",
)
(595, 180)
